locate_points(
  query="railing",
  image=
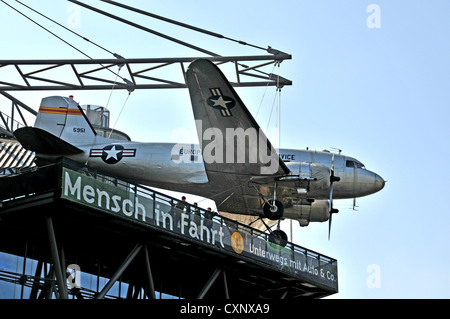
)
(145, 206)
(8, 124)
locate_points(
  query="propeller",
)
(333, 179)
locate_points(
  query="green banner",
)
(141, 205)
(107, 197)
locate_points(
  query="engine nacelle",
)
(303, 171)
(317, 211)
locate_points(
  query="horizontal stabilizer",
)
(42, 142)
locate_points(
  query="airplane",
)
(234, 164)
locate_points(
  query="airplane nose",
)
(379, 182)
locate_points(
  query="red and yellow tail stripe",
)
(59, 110)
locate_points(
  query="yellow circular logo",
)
(237, 242)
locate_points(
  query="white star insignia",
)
(112, 153)
(221, 102)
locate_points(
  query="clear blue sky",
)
(379, 94)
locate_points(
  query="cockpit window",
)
(354, 164)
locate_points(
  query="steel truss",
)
(9, 123)
(129, 74)
(103, 74)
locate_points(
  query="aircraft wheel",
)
(273, 212)
(279, 237)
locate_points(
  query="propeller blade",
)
(332, 210)
(331, 194)
(332, 177)
(332, 164)
(329, 225)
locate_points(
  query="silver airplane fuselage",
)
(180, 168)
(232, 168)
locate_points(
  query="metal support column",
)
(209, 283)
(36, 285)
(150, 283)
(119, 271)
(55, 258)
(225, 284)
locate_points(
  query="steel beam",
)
(209, 283)
(62, 288)
(119, 272)
(150, 283)
(60, 62)
(139, 73)
(225, 284)
(36, 285)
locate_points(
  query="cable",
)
(123, 106)
(264, 94)
(46, 29)
(112, 88)
(143, 28)
(276, 102)
(66, 28)
(184, 25)
(69, 44)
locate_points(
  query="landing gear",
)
(278, 237)
(273, 210)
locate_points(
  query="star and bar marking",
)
(221, 102)
(112, 154)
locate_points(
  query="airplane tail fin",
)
(60, 125)
(64, 118)
(221, 113)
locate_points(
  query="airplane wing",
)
(240, 162)
(232, 141)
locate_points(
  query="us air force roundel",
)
(112, 154)
(221, 102)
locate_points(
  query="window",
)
(359, 165)
(355, 164)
